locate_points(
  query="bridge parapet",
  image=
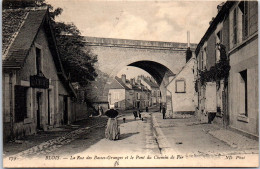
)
(141, 44)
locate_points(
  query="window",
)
(203, 58)
(38, 61)
(20, 103)
(243, 6)
(116, 95)
(138, 96)
(180, 86)
(218, 40)
(243, 93)
(240, 20)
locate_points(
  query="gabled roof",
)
(117, 83)
(18, 40)
(189, 62)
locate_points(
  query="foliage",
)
(76, 58)
(219, 71)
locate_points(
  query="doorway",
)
(38, 106)
(65, 113)
(49, 108)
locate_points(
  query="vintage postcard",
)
(90, 83)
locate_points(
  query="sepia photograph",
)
(123, 83)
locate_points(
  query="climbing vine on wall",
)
(219, 71)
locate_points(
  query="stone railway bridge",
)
(160, 59)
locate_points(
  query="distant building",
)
(36, 92)
(120, 95)
(142, 95)
(125, 94)
(153, 86)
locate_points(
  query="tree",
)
(78, 60)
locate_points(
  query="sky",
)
(140, 20)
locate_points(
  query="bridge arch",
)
(157, 69)
(159, 59)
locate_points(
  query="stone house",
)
(36, 92)
(182, 86)
(227, 77)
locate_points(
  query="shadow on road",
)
(131, 119)
(126, 135)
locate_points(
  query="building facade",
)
(183, 89)
(120, 95)
(36, 92)
(227, 76)
(153, 87)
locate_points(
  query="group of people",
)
(136, 114)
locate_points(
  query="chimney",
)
(123, 77)
(188, 38)
(188, 54)
(132, 81)
(219, 7)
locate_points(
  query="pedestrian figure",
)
(112, 131)
(146, 109)
(100, 110)
(135, 114)
(124, 120)
(163, 112)
(139, 114)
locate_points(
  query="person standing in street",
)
(135, 114)
(100, 111)
(139, 114)
(163, 112)
(112, 131)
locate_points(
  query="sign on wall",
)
(39, 82)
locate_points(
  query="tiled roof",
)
(12, 22)
(29, 21)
